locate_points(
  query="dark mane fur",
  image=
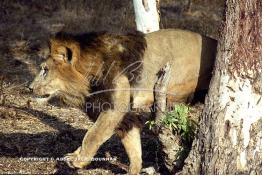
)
(125, 52)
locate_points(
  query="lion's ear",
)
(65, 51)
(62, 54)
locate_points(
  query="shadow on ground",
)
(65, 140)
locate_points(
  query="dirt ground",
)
(29, 130)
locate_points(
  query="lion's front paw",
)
(74, 160)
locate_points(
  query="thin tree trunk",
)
(171, 144)
(229, 140)
(160, 90)
(147, 16)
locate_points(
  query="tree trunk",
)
(170, 144)
(229, 140)
(146, 14)
(160, 90)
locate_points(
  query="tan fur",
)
(72, 63)
(132, 145)
(191, 57)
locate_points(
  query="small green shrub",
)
(179, 121)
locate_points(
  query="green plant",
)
(179, 121)
(150, 123)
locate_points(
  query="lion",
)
(119, 72)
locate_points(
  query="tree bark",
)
(160, 89)
(146, 14)
(171, 144)
(229, 140)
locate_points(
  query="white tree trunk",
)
(243, 110)
(229, 140)
(146, 14)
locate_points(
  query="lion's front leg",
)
(104, 127)
(102, 130)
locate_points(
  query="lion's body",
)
(191, 57)
(120, 70)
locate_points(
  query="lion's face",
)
(58, 77)
(48, 81)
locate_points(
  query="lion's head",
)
(59, 77)
(79, 64)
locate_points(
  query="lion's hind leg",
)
(132, 144)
